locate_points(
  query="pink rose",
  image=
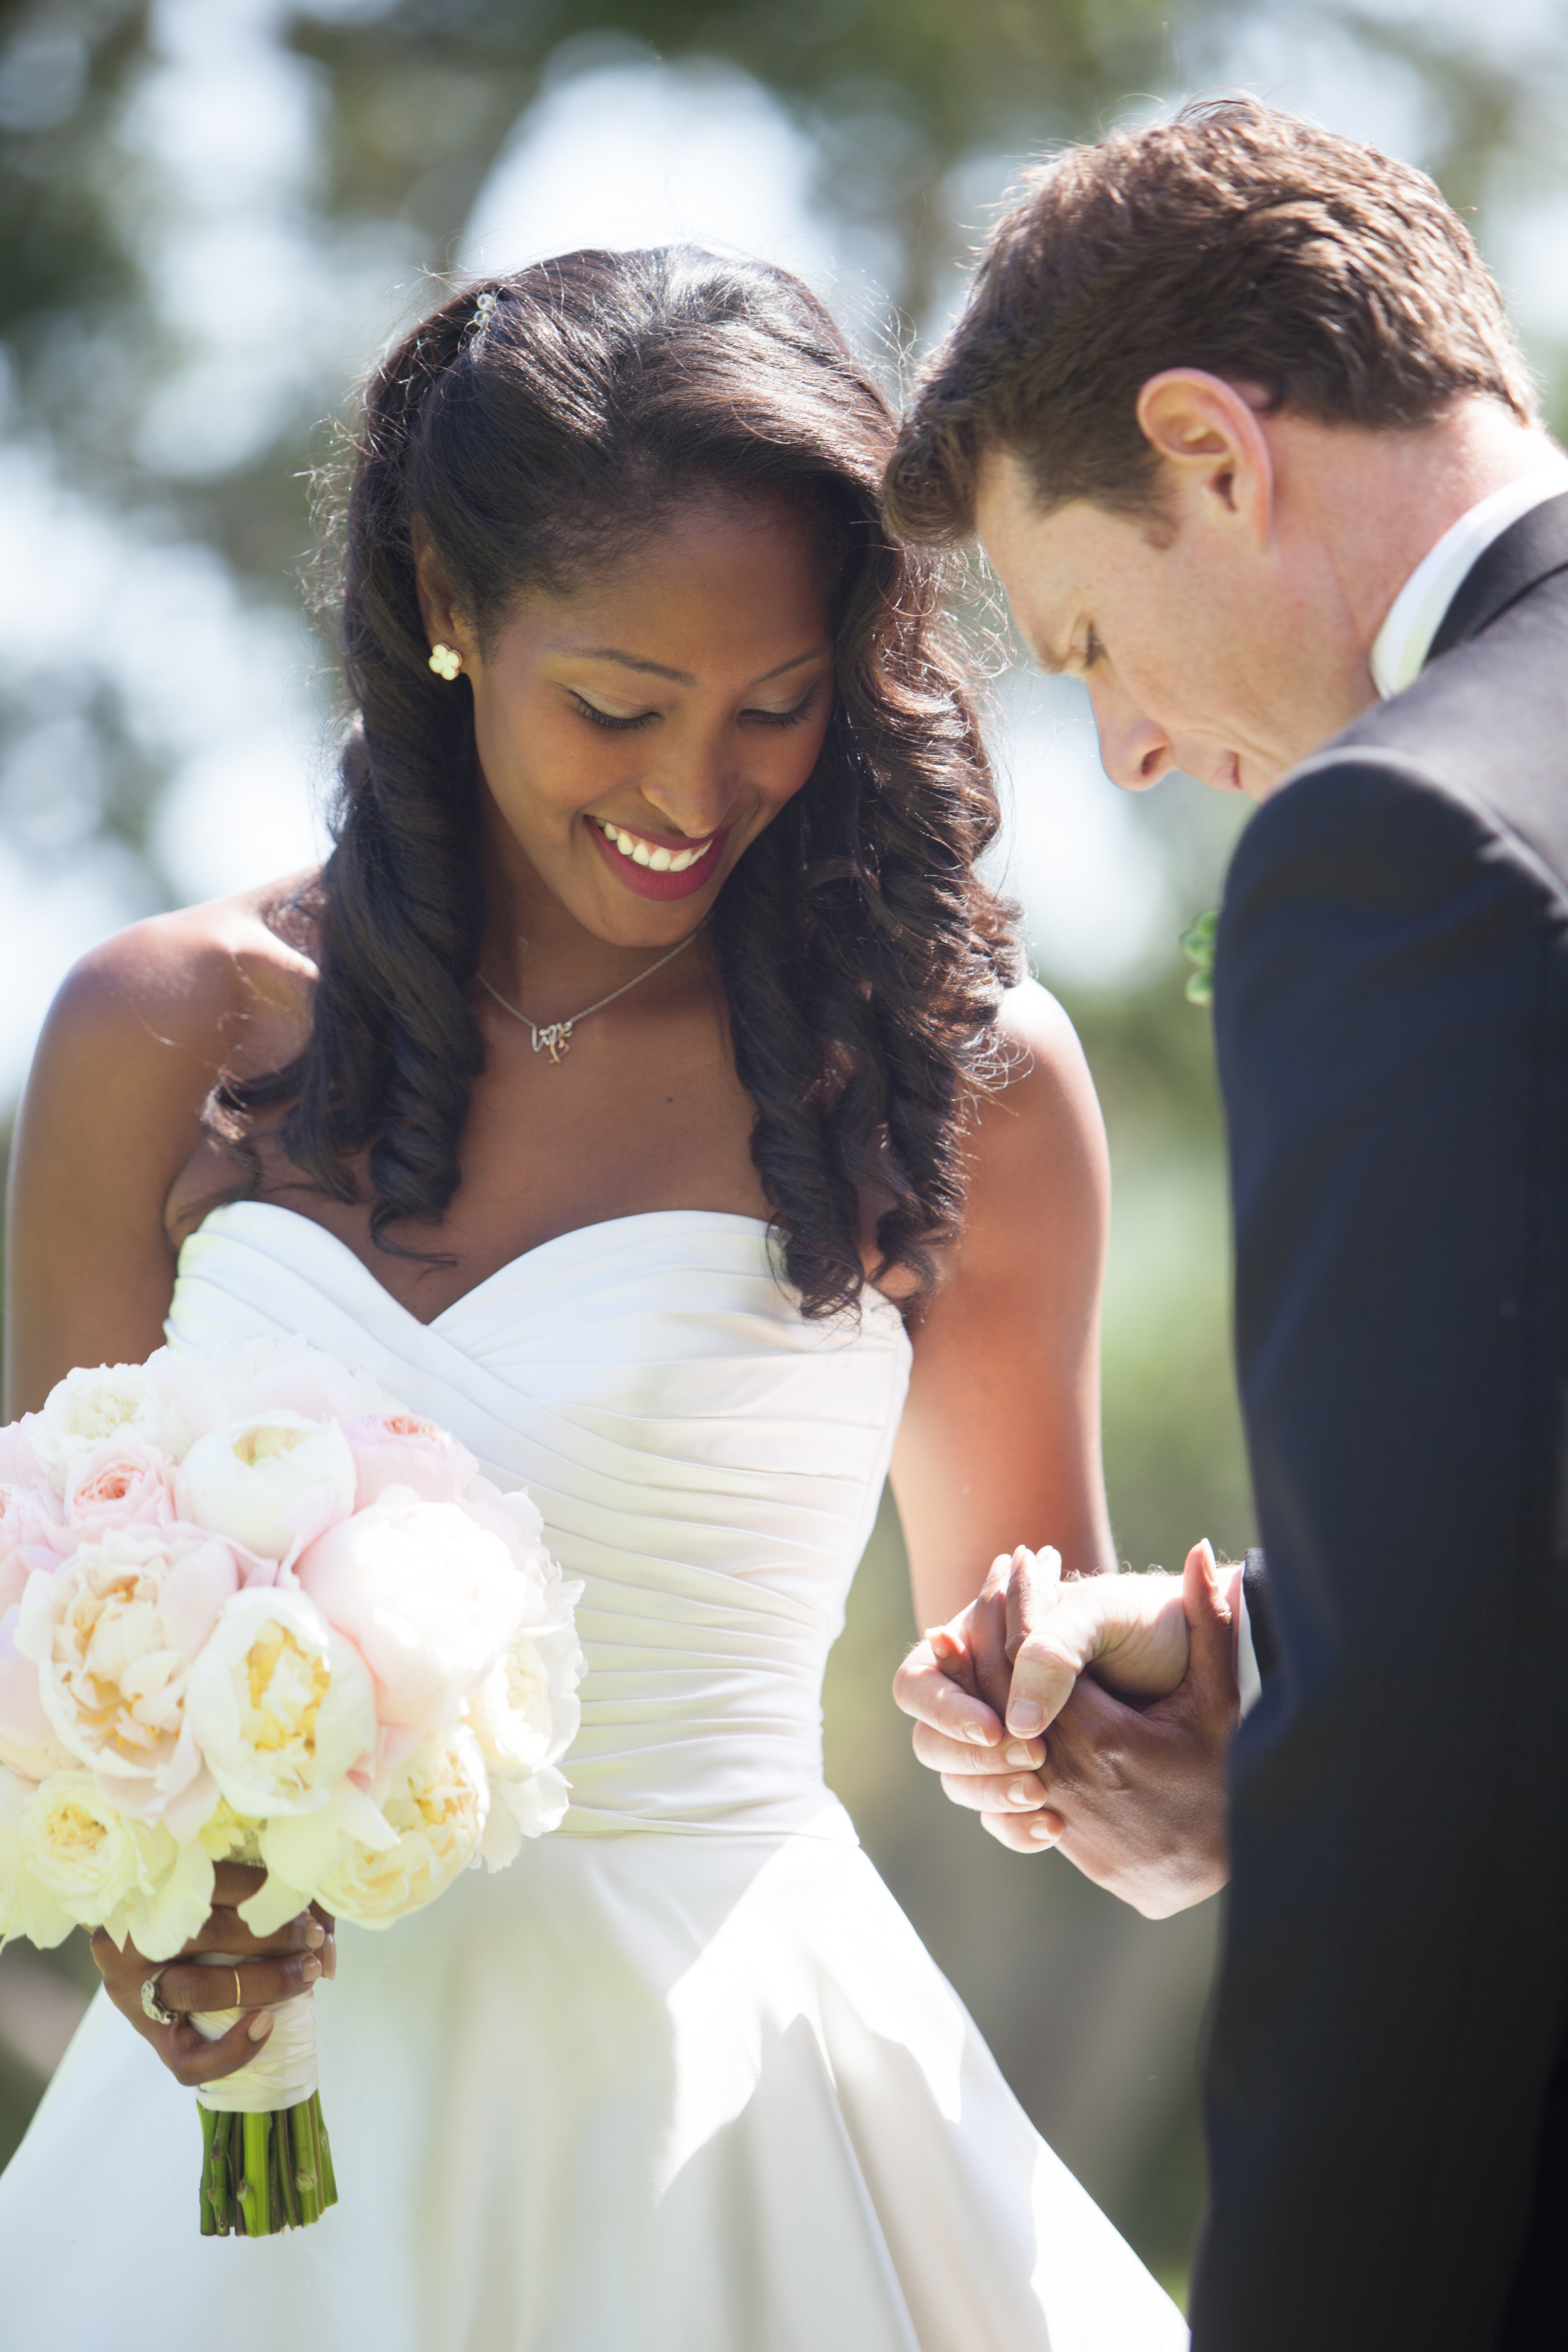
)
(399, 1449)
(122, 1483)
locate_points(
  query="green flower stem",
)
(261, 2174)
(255, 2202)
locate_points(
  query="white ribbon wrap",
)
(283, 2071)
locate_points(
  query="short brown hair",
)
(1234, 239)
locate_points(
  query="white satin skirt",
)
(648, 2093)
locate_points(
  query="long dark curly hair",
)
(538, 425)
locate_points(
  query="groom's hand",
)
(1136, 1798)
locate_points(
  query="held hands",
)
(272, 1968)
(1010, 1711)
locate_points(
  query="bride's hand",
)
(955, 1682)
(271, 1969)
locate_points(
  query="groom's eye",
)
(1091, 651)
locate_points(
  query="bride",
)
(640, 1090)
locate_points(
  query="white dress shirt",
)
(1399, 650)
(1415, 616)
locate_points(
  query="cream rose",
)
(279, 1705)
(27, 1907)
(270, 1481)
(113, 1634)
(107, 1870)
(437, 1805)
(108, 1400)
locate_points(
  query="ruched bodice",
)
(706, 1460)
(681, 2078)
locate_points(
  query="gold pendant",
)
(556, 1041)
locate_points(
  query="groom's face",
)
(1190, 643)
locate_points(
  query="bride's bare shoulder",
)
(222, 985)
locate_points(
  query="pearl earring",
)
(446, 661)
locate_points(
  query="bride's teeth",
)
(658, 860)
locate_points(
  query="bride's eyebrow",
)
(682, 676)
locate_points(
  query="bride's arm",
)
(110, 1117)
(1000, 1440)
(1001, 1444)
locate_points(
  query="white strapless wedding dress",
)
(682, 2079)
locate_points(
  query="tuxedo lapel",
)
(1528, 551)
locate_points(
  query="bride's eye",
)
(602, 718)
(782, 718)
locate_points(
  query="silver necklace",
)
(556, 1038)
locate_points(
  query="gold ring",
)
(238, 1995)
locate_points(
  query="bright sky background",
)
(267, 301)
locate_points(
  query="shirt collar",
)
(1415, 616)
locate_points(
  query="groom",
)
(1238, 419)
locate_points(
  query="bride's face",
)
(636, 735)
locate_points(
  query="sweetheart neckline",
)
(335, 1243)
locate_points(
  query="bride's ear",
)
(444, 624)
(1216, 458)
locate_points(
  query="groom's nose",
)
(1134, 752)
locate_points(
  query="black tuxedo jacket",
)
(1385, 2090)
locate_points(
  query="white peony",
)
(279, 1705)
(107, 1401)
(526, 1712)
(107, 1870)
(218, 1385)
(428, 1599)
(270, 1481)
(438, 1806)
(113, 1635)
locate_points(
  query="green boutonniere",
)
(1197, 946)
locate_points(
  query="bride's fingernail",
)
(260, 2027)
(310, 1967)
(1025, 1715)
(315, 1934)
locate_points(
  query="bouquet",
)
(251, 1610)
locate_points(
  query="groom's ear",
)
(1216, 462)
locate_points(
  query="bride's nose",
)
(693, 787)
